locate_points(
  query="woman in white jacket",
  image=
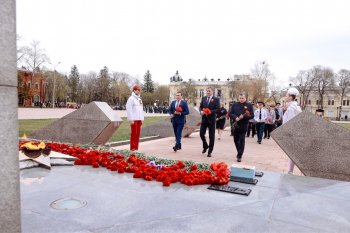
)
(291, 110)
(134, 109)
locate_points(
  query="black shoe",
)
(264, 137)
(259, 142)
(209, 155)
(268, 137)
(175, 148)
(179, 147)
(204, 150)
(239, 160)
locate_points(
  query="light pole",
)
(54, 84)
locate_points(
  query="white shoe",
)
(290, 173)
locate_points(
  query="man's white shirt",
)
(263, 115)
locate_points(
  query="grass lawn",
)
(345, 125)
(123, 133)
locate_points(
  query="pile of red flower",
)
(218, 173)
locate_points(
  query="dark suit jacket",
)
(180, 119)
(214, 106)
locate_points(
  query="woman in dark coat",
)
(221, 120)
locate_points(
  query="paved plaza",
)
(114, 202)
(266, 157)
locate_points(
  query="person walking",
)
(209, 107)
(291, 110)
(279, 116)
(221, 120)
(178, 111)
(134, 110)
(241, 112)
(260, 116)
(270, 121)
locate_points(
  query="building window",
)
(29, 84)
(201, 93)
(330, 102)
(36, 85)
(330, 114)
(347, 102)
(344, 102)
(317, 102)
(309, 102)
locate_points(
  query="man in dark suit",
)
(208, 120)
(178, 111)
(238, 113)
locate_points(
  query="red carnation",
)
(206, 111)
(178, 109)
(95, 164)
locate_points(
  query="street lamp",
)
(54, 84)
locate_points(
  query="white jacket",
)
(134, 108)
(292, 110)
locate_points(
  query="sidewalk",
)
(267, 156)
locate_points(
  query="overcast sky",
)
(216, 38)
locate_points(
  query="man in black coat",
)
(209, 120)
(238, 113)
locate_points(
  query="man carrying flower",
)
(209, 107)
(241, 112)
(178, 110)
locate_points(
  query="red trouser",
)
(135, 135)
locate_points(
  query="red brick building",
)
(31, 90)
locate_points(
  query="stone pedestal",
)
(318, 147)
(9, 172)
(94, 123)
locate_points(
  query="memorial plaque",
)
(93, 123)
(243, 180)
(318, 147)
(230, 189)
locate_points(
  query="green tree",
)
(103, 86)
(73, 83)
(148, 85)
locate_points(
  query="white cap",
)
(293, 91)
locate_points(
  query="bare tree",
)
(323, 82)
(120, 87)
(343, 78)
(188, 90)
(261, 71)
(34, 57)
(304, 82)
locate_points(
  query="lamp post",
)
(54, 84)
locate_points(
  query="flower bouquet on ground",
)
(246, 113)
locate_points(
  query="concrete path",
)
(267, 156)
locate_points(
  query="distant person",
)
(134, 109)
(178, 111)
(319, 112)
(260, 116)
(270, 121)
(221, 120)
(291, 110)
(241, 112)
(279, 116)
(209, 107)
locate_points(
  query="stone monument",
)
(164, 128)
(318, 147)
(10, 206)
(93, 123)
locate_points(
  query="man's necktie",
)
(260, 115)
(208, 99)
